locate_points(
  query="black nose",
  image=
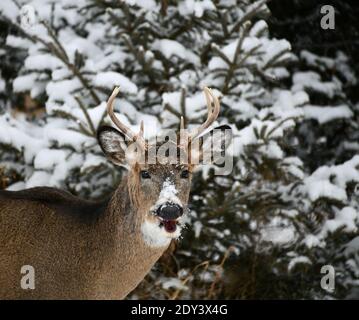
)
(169, 211)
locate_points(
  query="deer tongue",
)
(170, 225)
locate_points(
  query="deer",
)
(86, 249)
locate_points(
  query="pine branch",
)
(76, 72)
(169, 108)
(183, 105)
(275, 58)
(216, 49)
(248, 16)
(223, 19)
(246, 27)
(278, 126)
(69, 116)
(233, 65)
(58, 50)
(146, 66)
(86, 114)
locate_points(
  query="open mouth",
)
(169, 225)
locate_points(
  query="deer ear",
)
(113, 144)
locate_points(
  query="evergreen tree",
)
(265, 230)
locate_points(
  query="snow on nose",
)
(168, 194)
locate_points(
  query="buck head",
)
(159, 171)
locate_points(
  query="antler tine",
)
(124, 129)
(182, 123)
(183, 134)
(212, 114)
(140, 133)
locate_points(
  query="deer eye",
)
(145, 174)
(185, 174)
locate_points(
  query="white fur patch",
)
(155, 236)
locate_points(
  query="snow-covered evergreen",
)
(291, 203)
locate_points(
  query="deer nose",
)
(170, 211)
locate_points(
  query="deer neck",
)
(128, 257)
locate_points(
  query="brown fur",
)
(82, 249)
(79, 249)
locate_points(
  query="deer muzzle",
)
(168, 214)
(169, 211)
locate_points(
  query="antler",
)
(211, 117)
(124, 129)
(185, 137)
